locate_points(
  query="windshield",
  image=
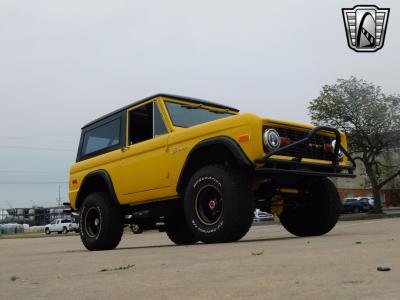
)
(184, 115)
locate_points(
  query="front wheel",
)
(219, 204)
(313, 212)
(101, 222)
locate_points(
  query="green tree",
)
(371, 121)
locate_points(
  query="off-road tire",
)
(177, 228)
(107, 235)
(234, 198)
(317, 211)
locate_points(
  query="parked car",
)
(260, 215)
(369, 199)
(355, 205)
(73, 226)
(61, 226)
(11, 228)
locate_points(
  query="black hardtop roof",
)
(178, 97)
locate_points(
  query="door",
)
(52, 226)
(144, 166)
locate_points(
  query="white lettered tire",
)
(219, 204)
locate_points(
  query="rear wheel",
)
(219, 204)
(136, 229)
(65, 230)
(315, 212)
(47, 231)
(101, 222)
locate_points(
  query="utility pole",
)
(59, 196)
(9, 204)
(59, 200)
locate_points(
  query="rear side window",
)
(102, 137)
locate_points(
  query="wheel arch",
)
(96, 181)
(222, 149)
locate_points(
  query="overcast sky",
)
(64, 63)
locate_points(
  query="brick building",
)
(359, 186)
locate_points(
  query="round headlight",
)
(271, 139)
(340, 152)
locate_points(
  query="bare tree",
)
(371, 121)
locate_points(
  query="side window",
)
(145, 123)
(102, 137)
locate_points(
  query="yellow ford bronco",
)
(202, 168)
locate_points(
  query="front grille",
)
(313, 149)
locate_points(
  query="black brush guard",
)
(296, 167)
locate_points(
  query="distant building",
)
(36, 216)
(3, 214)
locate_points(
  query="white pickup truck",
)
(61, 226)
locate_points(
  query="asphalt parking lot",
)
(268, 263)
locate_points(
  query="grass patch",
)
(21, 235)
(256, 253)
(362, 216)
(127, 267)
(26, 235)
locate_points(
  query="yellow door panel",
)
(144, 166)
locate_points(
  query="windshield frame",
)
(195, 106)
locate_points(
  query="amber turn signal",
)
(244, 138)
